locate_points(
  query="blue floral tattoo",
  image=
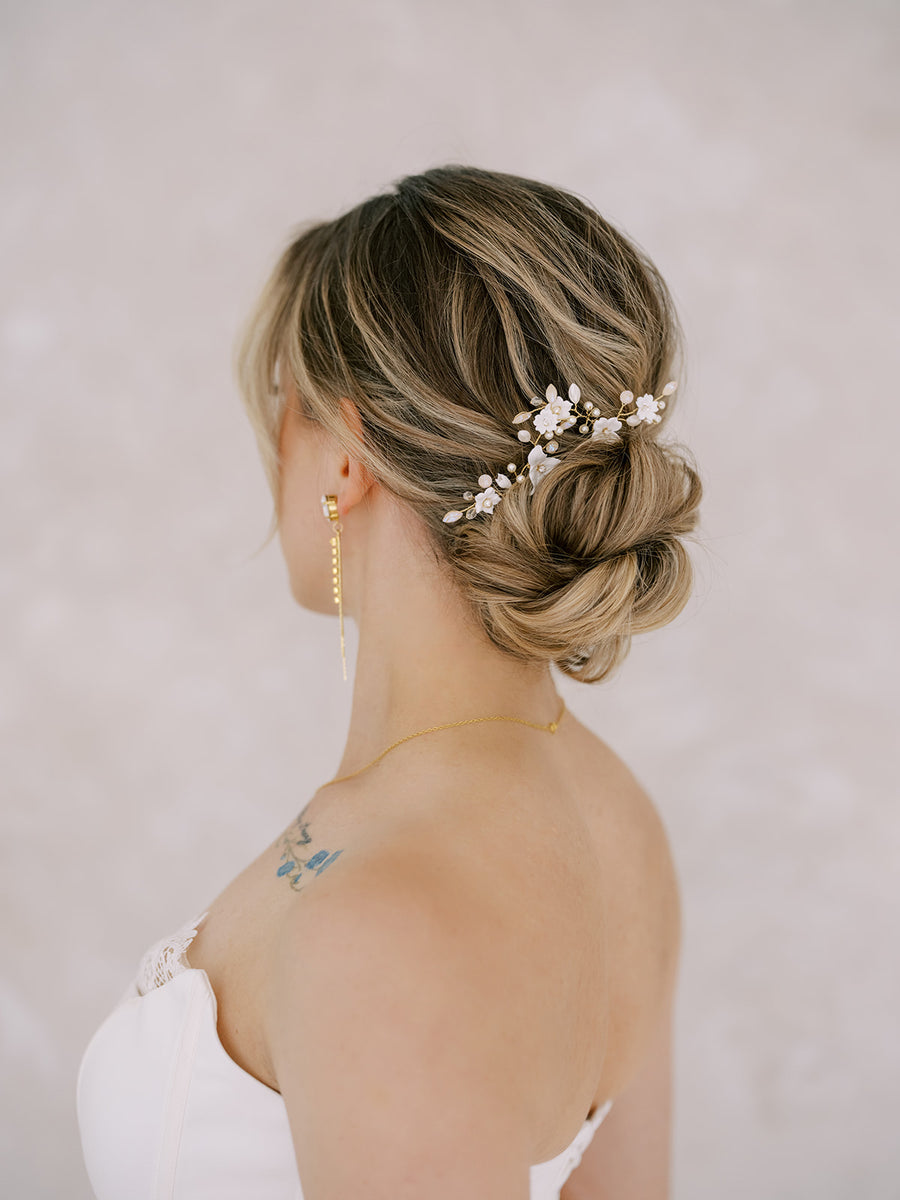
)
(295, 843)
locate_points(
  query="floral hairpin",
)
(555, 415)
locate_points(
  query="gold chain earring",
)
(330, 509)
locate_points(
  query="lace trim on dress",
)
(165, 958)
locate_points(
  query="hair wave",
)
(439, 309)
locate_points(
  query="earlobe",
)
(359, 482)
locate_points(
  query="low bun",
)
(594, 556)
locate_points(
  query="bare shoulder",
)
(630, 837)
(643, 893)
(388, 1020)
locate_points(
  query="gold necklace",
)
(551, 728)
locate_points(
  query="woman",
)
(452, 975)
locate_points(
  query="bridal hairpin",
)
(554, 415)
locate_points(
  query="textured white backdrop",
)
(167, 709)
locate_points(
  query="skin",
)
(420, 661)
(357, 964)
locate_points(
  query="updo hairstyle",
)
(440, 308)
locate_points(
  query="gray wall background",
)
(167, 708)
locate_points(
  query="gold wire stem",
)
(329, 507)
(339, 597)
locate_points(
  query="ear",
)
(356, 478)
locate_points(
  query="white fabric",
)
(165, 1113)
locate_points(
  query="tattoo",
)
(295, 843)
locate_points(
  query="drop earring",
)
(330, 509)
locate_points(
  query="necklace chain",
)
(551, 728)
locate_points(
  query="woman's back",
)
(573, 867)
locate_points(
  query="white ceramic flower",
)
(487, 500)
(556, 410)
(548, 419)
(647, 409)
(606, 430)
(539, 464)
(553, 415)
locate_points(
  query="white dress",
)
(165, 1113)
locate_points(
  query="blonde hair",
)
(439, 309)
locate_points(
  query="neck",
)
(422, 660)
(390, 704)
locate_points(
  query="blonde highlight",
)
(438, 309)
